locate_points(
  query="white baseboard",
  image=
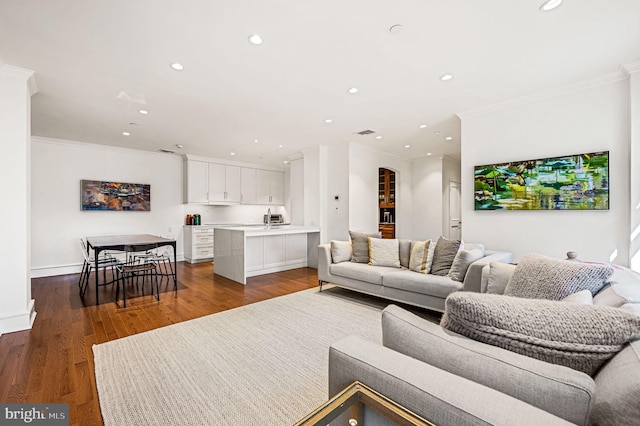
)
(75, 268)
(19, 322)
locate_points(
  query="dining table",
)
(127, 244)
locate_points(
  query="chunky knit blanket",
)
(582, 337)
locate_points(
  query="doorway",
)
(455, 222)
(387, 202)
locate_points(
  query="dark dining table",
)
(130, 243)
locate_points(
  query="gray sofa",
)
(450, 379)
(401, 284)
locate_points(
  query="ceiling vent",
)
(366, 132)
(166, 151)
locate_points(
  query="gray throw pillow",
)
(543, 277)
(499, 276)
(582, 337)
(340, 251)
(405, 252)
(360, 245)
(443, 256)
(462, 261)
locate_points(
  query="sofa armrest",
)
(562, 391)
(324, 262)
(437, 395)
(473, 277)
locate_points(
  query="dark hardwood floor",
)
(53, 362)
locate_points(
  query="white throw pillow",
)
(340, 251)
(384, 252)
(584, 297)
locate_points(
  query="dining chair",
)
(133, 270)
(105, 261)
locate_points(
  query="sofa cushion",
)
(568, 393)
(579, 336)
(432, 285)
(543, 277)
(360, 245)
(443, 255)
(618, 383)
(499, 276)
(340, 251)
(405, 252)
(384, 252)
(583, 296)
(360, 271)
(461, 263)
(419, 259)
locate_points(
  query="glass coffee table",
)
(352, 400)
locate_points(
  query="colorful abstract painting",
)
(573, 182)
(104, 195)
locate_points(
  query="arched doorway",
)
(387, 202)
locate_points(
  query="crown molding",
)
(602, 80)
(22, 73)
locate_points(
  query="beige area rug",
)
(261, 364)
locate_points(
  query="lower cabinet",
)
(198, 243)
(271, 253)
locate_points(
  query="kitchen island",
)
(246, 251)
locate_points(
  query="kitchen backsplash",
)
(232, 214)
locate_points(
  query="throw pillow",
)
(419, 260)
(582, 337)
(583, 296)
(499, 276)
(405, 252)
(443, 256)
(462, 261)
(384, 252)
(340, 251)
(360, 246)
(542, 277)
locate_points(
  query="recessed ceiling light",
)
(232, 153)
(286, 162)
(446, 77)
(279, 146)
(378, 137)
(407, 146)
(255, 39)
(177, 66)
(428, 154)
(353, 90)
(255, 141)
(179, 146)
(328, 120)
(550, 5)
(133, 124)
(436, 132)
(143, 111)
(422, 126)
(126, 134)
(449, 138)
(396, 29)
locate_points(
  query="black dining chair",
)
(134, 271)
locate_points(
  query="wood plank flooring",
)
(53, 362)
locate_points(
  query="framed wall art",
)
(119, 196)
(572, 182)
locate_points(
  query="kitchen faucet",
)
(269, 218)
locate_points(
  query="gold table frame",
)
(353, 398)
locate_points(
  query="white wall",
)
(338, 185)
(297, 191)
(363, 190)
(16, 306)
(572, 122)
(57, 219)
(634, 196)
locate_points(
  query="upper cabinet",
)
(270, 187)
(215, 183)
(224, 184)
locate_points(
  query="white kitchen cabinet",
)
(295, 249)
(224, 184)
(248, 186)
(270, 187)
(198, 243)
(196, 182)
(274, 251)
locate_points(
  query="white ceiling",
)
(86, 53)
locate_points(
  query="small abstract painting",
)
(104, 195)
(573, 182)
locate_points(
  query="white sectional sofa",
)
(402, 284)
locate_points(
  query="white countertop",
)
(254, 231)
